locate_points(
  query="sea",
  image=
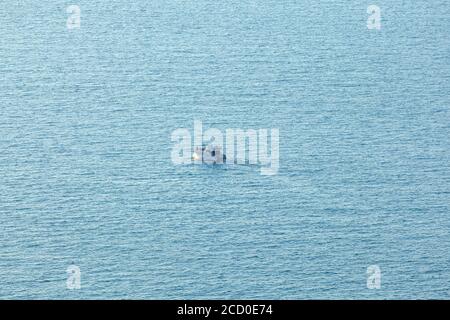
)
(358, 209)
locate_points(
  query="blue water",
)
(86, 176)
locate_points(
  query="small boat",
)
(209, 154)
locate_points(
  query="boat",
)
(209, 154)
